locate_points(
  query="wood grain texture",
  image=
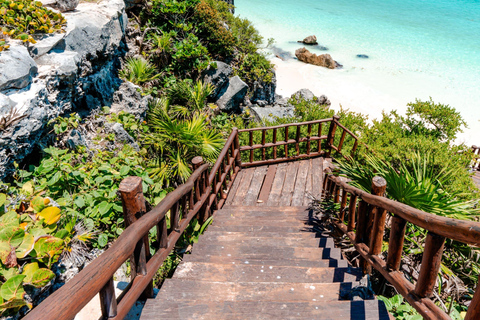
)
(299, 191)
(276, 192)
(308, 185)
(234, 188)
(243, 187)
(289, 184)
(267, 185)
(254, 190)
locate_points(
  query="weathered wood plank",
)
(267, 185)
(300, 183)
(276, 192)
(202, 271)
(234, 188)
(243, 187)
(308, 185)
(289, 184)
(255, 186)
(317, 177)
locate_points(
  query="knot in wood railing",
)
(365, 225)
(304, 141)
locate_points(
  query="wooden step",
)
(226, 235)
(263, 213)
(193, 290)
(256, 208)
(262, 239)
(262, 228)
(245, 239)
(202, 271)
(266, 221)
(241, 310)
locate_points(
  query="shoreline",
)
(370, 96)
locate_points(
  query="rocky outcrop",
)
(67, 5)
(77, 71)
(232, 95)
(17, 68)
(264, 92)
(323, 60)
(310, 40)
(218, 77)
(306, 94)
(271, 113)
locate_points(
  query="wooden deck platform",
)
(263, 259)
(285, 184)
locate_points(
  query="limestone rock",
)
(76, 139)
(122, 136)
(323, 60)
(271, 113)
(17, 68)
(263, 91)
(67, 5)
(6, 104)
(128, 98)
(310, 40)
(44, 44)
(306, 94)
(218, 77)
(232, 95)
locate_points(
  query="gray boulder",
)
(44, 44)
(17, 67)
(76, 139)
(122, 136)
(218, 77)
(311, 40)
(263, 91)
(271, 113)
(232, 95)
(128, 99)
(67, 5)
(305, 94)
(6, 104)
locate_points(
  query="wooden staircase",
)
(263, 263)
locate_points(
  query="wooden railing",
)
(365, 226)
(305, 137)
(202, 193)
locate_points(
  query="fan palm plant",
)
(175, 141)
(138, 71)
(416, 185)
(192, 97)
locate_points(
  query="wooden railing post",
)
(236, 142)
(379, 186)
(331, 135)
(108, 300)
(343, 205)
(431, 260)
(133, 201)
(395, 243)
(473, 312)
(351, 212)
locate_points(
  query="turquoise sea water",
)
(417, 48)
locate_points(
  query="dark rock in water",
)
(281, 54)
(362, 56)
(310, 40)
(339, 65)
(218, 77)
(232, 95)
(323, 60)
(320, 47)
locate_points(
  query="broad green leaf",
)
(102, 240)
(104, 207)
(124, 170)
(12, 235)
(3, 198)
(28, 187)
(55, 178)
(14, 303)
(62, 234)
(50, 214)
(42, 277)
(29, 271)
(12, 288)
(79, 201)
(37, 204)
(26, 247)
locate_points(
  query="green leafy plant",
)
(22, 19)
(139, 71)
(62, 124)
(399, 309)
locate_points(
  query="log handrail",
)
(369, 222)
(288, 139)
(204, 191)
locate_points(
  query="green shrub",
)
(190, 57)
(23, 18)
(209, 27)
(254, 67)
